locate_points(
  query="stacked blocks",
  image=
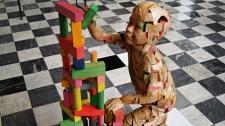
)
(84, 83)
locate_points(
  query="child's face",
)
(149, 24)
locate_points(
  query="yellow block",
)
(69, 113)
(94, 56)
(77, 99)
(101, 87)
(65, 84)
(78, 39)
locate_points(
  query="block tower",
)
(84, 82)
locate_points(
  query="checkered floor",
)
(30, 64)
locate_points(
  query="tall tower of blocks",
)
(84, 82)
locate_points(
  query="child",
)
(153, 82)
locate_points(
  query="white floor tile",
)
(7, 48)
(169, 49)
(54, 61)
(29, 54)
(102, 51)
(175, 118)
(10, 71)
(200, 55)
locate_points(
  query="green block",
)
(90, 70)
(69, 122)
(100, 96)
(94, 100)
(63, 25)
(92, 11)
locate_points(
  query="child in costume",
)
(154, 86)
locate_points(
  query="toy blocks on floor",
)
(84, 83)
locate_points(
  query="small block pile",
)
(84, 83)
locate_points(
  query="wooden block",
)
(78, 64)
(78, 39)
(77, 99)
(101, 79)
(66, 63)
(77, 83)
(70, 11)
(87, 86)
(94, 100)
(84, 94)
(91, 70)
(101, 87)
(69, 112)
(92, 11)
(100, 120)
(69, 122)
(86, 101)
(93, 91)
(67, 97)
(65, 84)
(63, 25)
(88, 110)
(67, 45)
(94, 56)
(100, 97)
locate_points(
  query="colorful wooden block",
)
(78, 64)
(70, 11)
(86, 101)
(87, 86)
(77, 83)
(91, 70)
(69, 112)
(67, 45)
(84, 94)
(65, 84)
(100, 97)
(100, 120)
(92, 11)
(78, 39)
(77, 99)
(66, 63)
(94, 56)
(69, 122)
(93, 91)
(101, 79)
(101, 87)
(88, 110)
(63, 25)
(67, 97)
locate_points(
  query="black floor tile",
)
(6, 38)
(50, 50)
(217, 10)
(23, 118)
(42, 32)
(90, 42)
(214, 85)
(116, 49)
(108, 29)
(34, 18)
(193, 14)
(186, 45)
(216, 27)
(163, 40)
(215, 66)
(112, 62)
(102, 8)
(181, 101)
(108, 82)
(174, 4)
(48, 10)
(213, 109)
(53, 22)
(126, 89)
(215, 50)
(26, 44)
(30, 6)
(15, 14)
(56, 74)
(215, 37)
(181, 78)
(216, 18)
(40, 1)
(191, 23)
(127, 4)
(20, 28)
(195, 7)
(9, 58)
(189, 33)
(12, 3)
(183, 59)
(33, 66)
(43, 96)
(2, 10)
(12, 85)
(4, 23)
(217, 3)
(121, 11)
(113, 19)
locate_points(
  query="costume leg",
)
(138, 117)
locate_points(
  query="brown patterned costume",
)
(153, 83)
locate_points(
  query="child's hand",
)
(114, 104)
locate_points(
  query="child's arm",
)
(99, 35)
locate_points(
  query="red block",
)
(66, 63)
(67, 76)
(88, 110)
(118, 115)
(67, 101)
(93, 91)
(67, 45)
(70, 11)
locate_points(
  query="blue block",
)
(78, 64)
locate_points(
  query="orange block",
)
(78, 39)
(65, 84)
